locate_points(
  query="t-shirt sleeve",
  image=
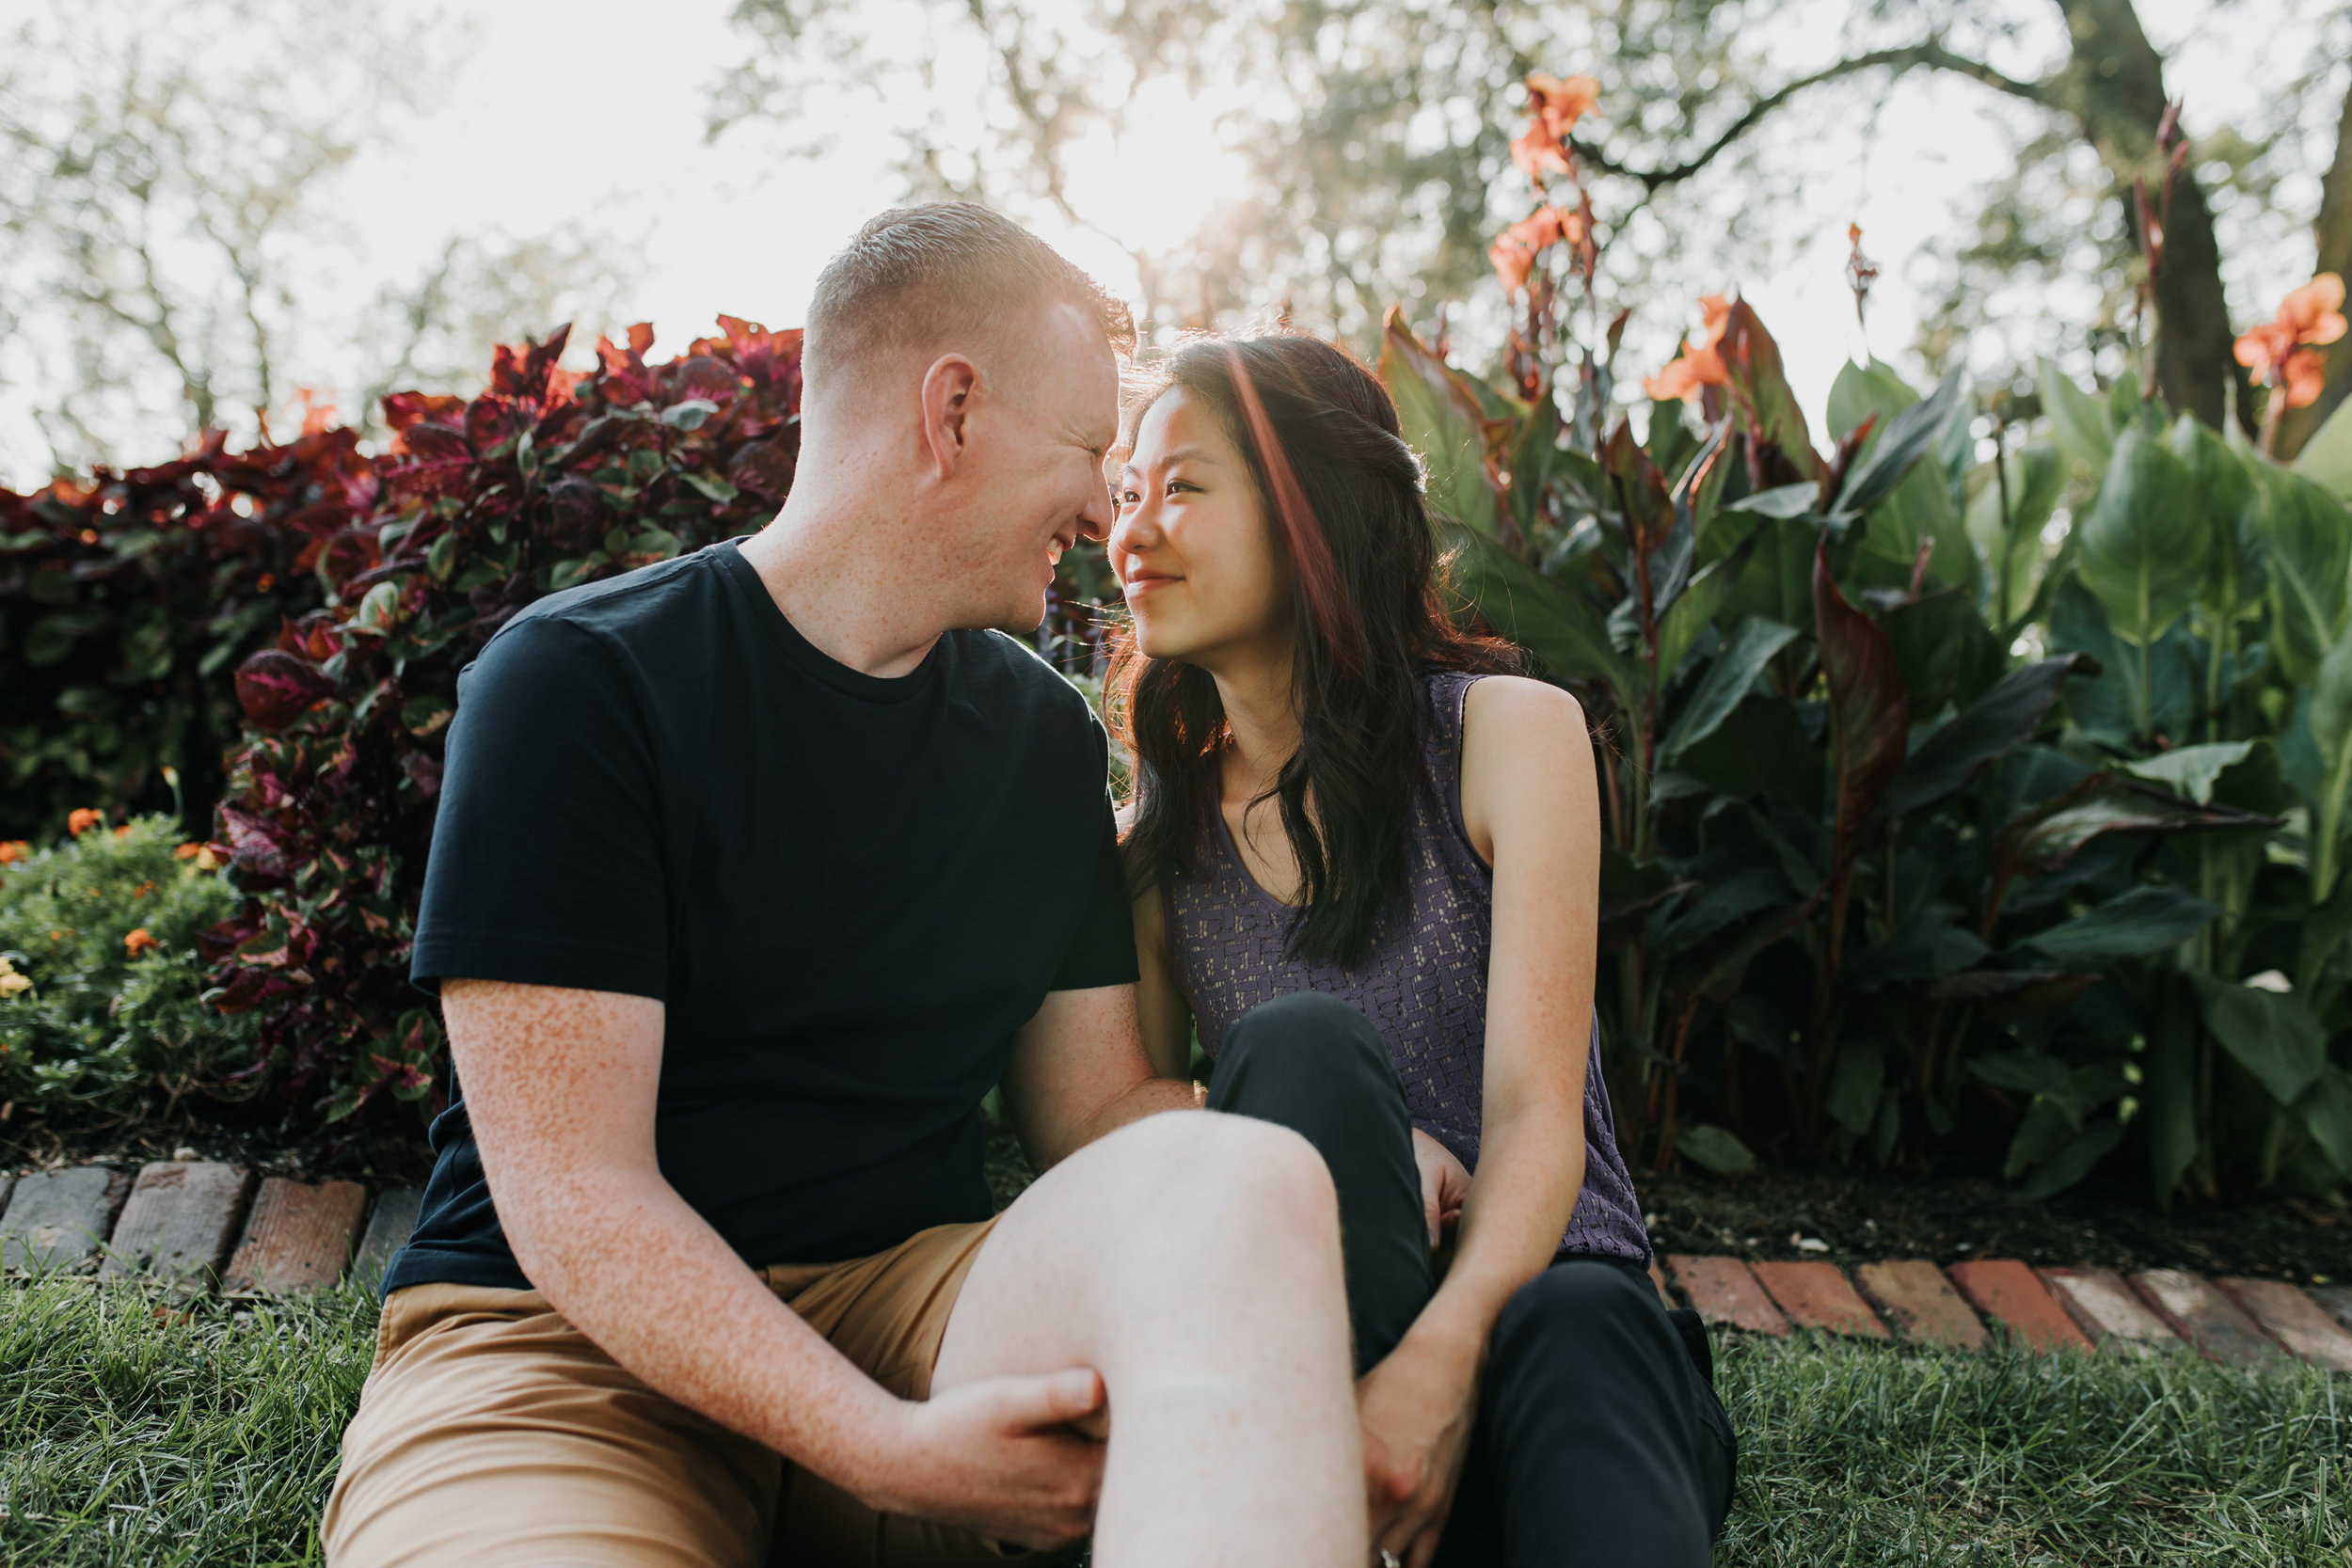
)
(1103, 949)
(547, 864)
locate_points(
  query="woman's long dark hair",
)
(1342, 493)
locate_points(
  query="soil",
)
(1858, 1216)
(1854, 1214)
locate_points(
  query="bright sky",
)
(590, 113)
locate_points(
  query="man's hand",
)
(1444, 1186)
(1005, 1457)
(1416, 1408)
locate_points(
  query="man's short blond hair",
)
(916, 277)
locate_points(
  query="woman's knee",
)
(1580, 1302)
(1306, 1045)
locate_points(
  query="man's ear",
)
(949, 388)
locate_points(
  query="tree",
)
(167, 255)
(1379, 141)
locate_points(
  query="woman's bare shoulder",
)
(1502, 705)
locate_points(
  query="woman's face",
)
(1205, 578)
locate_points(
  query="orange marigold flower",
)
(139, 942)
(2281, 351)
(13, 850)
(1700, 364)
(123, 832)
(83, 820)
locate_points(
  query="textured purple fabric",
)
(1423, 982)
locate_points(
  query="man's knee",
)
(1306, 1047)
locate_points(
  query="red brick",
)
(395, 1216)
(2294, 1319)
(2334, 1300)
(2205, 1317)
(1658, 1280)
(2109, 1311)
(56, 1220)
(1816, 1295)
(2007, 1291)
(297, 1240)
(178, 1221)
(1724, 1292)
(1916, 1298)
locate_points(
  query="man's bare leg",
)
(1194, 1261)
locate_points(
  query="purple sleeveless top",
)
(1423, 983)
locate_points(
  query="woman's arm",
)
(1159, 1005)
(1530, 806)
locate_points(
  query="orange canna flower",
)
(1516, 248)
(1700, 363)
(13, 850)
(83, 820)
(139, 942)
(2282, 352)
(1559, 104)
(1553, 107)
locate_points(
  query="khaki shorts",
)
(493, 1433)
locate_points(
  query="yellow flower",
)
(12, 983)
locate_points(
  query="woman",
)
(1366, 858)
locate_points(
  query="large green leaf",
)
(1752, 643)
(1442, 419)
(2169, 1095)
(1988, 729)
(1906, 499)
(2272, 1035)
(2332, 734)
(1715, 1148)
(2308, 535)
(2109, 708)
(2150, 918)
(2326, 1108)
(2231, 508)
(2077, 423)
(2074, 1162)
(1760, 387)
(1942, 649)
(1852, 1099)
(1870, 714)
(1760, 748)
(2015, 557)
(1897, 444)
(1779, 582)
(2043, 838)
(2325, 459)
(2144, 547)
(1543, 616)
(2190, 770)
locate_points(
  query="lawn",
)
(208, 1436)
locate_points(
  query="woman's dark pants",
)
(1599, 1439)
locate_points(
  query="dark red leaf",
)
(1870, 719)
(274, 687)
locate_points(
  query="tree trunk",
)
(2113, 86)
(2334, 233)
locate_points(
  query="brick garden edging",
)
(201, 1225)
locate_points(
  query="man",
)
(754, 871)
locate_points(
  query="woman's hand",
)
(1444, 1186)
(1416, 1408)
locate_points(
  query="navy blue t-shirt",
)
(847, 891)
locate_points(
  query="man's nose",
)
(1094, 523)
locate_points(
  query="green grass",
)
(211, 1438)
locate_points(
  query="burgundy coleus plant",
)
(480, 506)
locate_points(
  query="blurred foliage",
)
(102, 1005)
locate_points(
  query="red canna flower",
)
(139, 942)
(1700, 364)
(2284, 352)
(83, 820)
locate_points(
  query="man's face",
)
(1033, 481)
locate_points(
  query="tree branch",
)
(1930, 52)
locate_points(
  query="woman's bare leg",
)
(1194, 1261)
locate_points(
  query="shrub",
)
(101, 985)
(126, 603)
(545, 480)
